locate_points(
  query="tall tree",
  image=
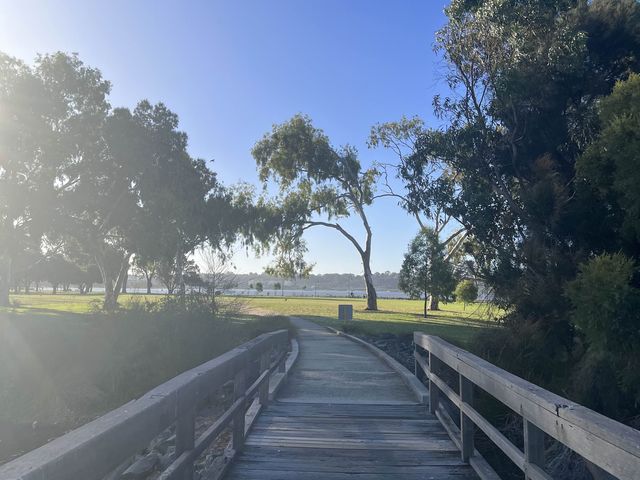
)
(425, 270)
(525, 80)
(438, 184)
(315, 179)
(51, 115)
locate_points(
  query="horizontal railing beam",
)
(610, 445)
(95, 449)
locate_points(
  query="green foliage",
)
(466, 291)
(610, 165)
(424, 269)
(103, 184)
(259, 287)
(606, 306)
(314, 179)
(606, 309)
(66, 365)
(290, 262)
(545, 165)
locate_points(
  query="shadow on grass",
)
(458, 334)
(448, 316)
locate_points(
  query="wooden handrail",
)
(97, 448)
(608, 444)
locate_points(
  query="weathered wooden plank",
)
(533, 448)
(339, 436)
(239, 472)
(331, 426)
(344, 467)
(413, 383)
(350, 411)
(477, 461)
(601, 440)
(93, 450)
(466, 424)
(387, 457)
(349, 430)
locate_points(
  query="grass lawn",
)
(68, 303)
(453, 322)
(62, 364)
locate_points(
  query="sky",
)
(231, 69)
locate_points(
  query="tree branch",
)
(339, 228)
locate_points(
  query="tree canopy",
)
(314, 180)
(425, 270)
(543, 160)
(83, 179)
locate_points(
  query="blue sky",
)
(231, 69)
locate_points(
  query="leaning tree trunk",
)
(5, 280)
(110, 301)
(372, 295)
(122, 275)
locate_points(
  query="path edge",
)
(417, 388)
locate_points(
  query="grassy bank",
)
(62, 364)
(454, 322)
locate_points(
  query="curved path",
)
(345, 414)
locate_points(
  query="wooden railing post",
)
(466, 424)
(265, 363)
(533, 446)
(185, 438)
(282, 366)
(434, 392)
(239, 388)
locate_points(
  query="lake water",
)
(245, 292)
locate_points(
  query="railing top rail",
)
(596, 437)
(93, 450)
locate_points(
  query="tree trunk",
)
(5, 280)
(149, 284)
(180, 269)
(434, 302)
(122, 275)
(124, 281)
(372, 296)
(426, 300)
(110, 301)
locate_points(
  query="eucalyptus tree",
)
(438, 184)
(144, 194)
(318, 185)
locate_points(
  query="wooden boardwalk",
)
(345, 414)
